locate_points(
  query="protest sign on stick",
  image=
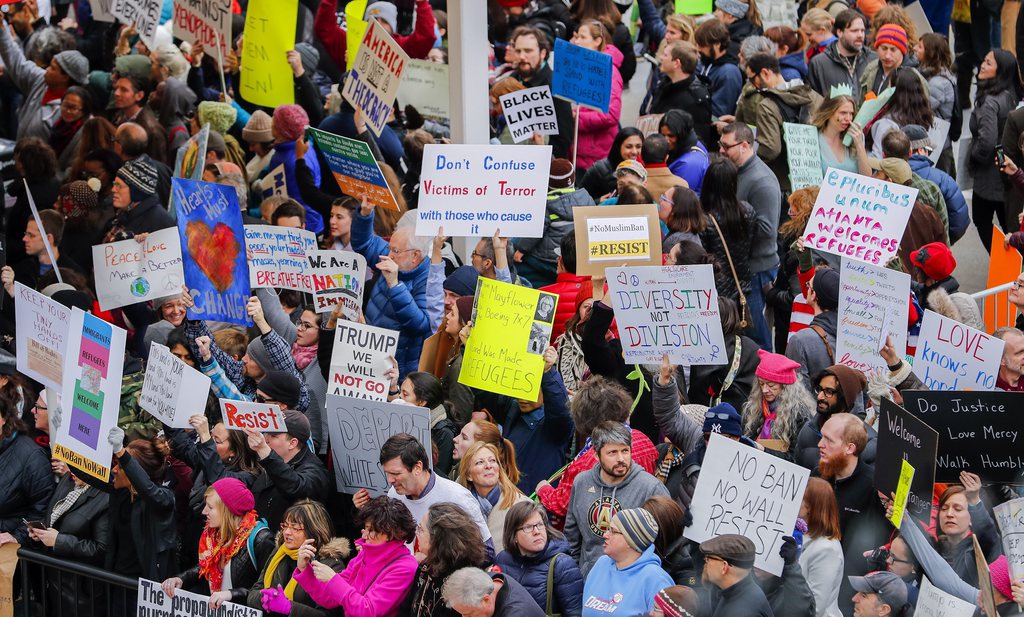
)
(153, 602)
(339, 277)
(266, 76)
(279, 257)
(203, 21)
(42, 335)
(933, 602)
(355, 170)
(803, 154)
(264, 417)
(129, 271)
(615, 236)
(143, 14)
(1010, 518)
(172, 390)
(987, 596)
(953, 356)
(424, 85)
(582, 75)
(374, 76)
(902, 436)
(44, 235)
(361, 356)
(529, 111)
(875, 302)
(189, 161)
(649, 124)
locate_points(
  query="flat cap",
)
(737, 550)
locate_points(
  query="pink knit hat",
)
(291, 121)
(235, 495)
(777, 368)
(1000, 571)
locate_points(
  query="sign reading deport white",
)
(475, 190)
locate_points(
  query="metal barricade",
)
(48, 586)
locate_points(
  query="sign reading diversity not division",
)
(143, 14)
(876, 301)
(667, 310)
(953, 356)
(267, 78)
(903, 436)
(475, 190)
(278, 256)
(373, 80)
(153, 602)
(129, 271)
(529, 111)
(263, 417)
(172, 390)
(42, 336)
(803, 154)
(361, 356)
(615, 236)
(582, 75)
(339, 277)
(355, 170)
(204, 21)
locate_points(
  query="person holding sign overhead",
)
(597, 130)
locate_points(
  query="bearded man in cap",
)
(728, 562)
(837, 389)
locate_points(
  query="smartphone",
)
(34, 524)
(1000, 156)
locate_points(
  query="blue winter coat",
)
(794, 66)
(956, 205)
(284, 154)
(402, 307)
(532, 573)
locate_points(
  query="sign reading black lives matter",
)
(902, 435)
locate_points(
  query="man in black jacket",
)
(728, 562)
(680, 88)
(532, 50)
(471, 591)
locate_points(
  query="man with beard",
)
(838, 390)
(598, 494)
(532, 49)
(843, 61)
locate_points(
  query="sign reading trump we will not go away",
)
(361, 356)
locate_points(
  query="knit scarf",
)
(770, 413)
(268, 576)
(304, 356)
(62, 506)
(214, 554)
(62, 133)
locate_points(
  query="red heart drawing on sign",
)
(214, 252)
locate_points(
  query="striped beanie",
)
(637, 526)
(141, 177)
(893, 35)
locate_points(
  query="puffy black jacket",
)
(245, 566)
(531, 571)
(690, 95)
(25, 484)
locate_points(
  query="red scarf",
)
(214, 554)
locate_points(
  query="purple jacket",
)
(373, 585)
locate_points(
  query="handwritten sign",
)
(359, 428)
(91, 394)
(987, 595)
(338, 277)
(355, 170)
(129, 272)
(529, 111)
(933, 602)
(372, 83)
(875, 303)
(745, 491)
(278, 256)
(424, 85)
(42, 335)
(582, 75)
(266, 77)
(859, 217)
(212, 250)
(153, 602)
(667, 310)
(899, 504)
(361, 356)
(1010, 518)
(204, 21)
(511, 330)
(952, 356)
(474, 190)
(144, 14)
(190, 158)
(649, 124)
(264, 417)
(902, 436)
(172, 390)
(275, 183)
(615, 236)
(803, 154)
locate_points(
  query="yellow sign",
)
(902, 493)
(267, 78)
(80, 463)
(511, 330)
(355, 29)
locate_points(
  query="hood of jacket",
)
(616, 55)
(918, 162)
(796, 93)
(562, 201)
(176, 101)
(794, 61)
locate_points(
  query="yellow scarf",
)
(268, 576)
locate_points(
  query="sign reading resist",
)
(264, 417)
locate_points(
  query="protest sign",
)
(803, 153)
(172, 390)
(153, 602)
(511, 330)
(693, 7)
(143, 14)
(212, 250)
(529, 111)
(987, 595)
(582, 75)
(129, 271)
(91, 397)
(667, 310)
(361, 356)
(204, 21)
(275, 183)
(424, 85)
(355, 170)
(902, 436)
(374, 76)
(876, 301)
(933, 602)
(937, 135)
(615, 236)
(338, 277)
(649, 124)
(979, 432)
(953, 356)
(8, 564)
(267, 78)
(101, 10)
(859, 217)
(42, 335)
(745, 491)
(1010, 518)
(358, 428)
(264, 417)
(474, 190)
(899, 503)
(191, 156)
(1004, 266)
(278, 257)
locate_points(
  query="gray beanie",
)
(736, 8)
(75, 65)
(310, 57)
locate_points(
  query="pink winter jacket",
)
(597, 129)
(372, 585)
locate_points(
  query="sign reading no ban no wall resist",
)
(582, 75)
(474, 190)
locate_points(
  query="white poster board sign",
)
(373, 79)
(933, 602)
(129, 272)
(172, 390)
(277, 256)
(745, 491)
(667, 310)
(144, 14)
(529, 111)
(338, 277)
(101, 11)
(361, 356)
(938, 135)
(1010, 518)
(874, 302)
(952, 356)
(42, 335)
(153, 602)
(264, 417)
(204, 21)
(424, 85)
(803, 153)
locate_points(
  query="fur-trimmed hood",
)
(958, 306)
(336, 548)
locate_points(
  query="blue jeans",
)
(755, 300)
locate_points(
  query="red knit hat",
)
(1000, 571)
(893, 35)
(777, 368)
(935, 260)
(235, 495)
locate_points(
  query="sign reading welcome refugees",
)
(582, 75)
(375, 74)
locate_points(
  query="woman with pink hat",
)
(779, 404)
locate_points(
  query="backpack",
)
(795, 115)
(956, 121)
(250, 542)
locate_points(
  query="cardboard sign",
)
(529, 111)
(361, 356)
(933, 602)
(952, 356)
(144, 14)
(374, 76)
(902, 436)
(803, 153)
(899, 504)
(91, 395)
(475, 190)
(267, 78)
(212, 250)
(1010, 518)
(582, 75)
(355, 170)
(8, 564)
(859, 217)
(743, 490)
(172, 390)
(191, 156)
(424, 85)
(129, 272)
(988, 596)
(278, 256)
(358, 428)
(615, 236)
(979, 432)
(667, 310)
(339, 277)
(511, 330)
(649, 124)
(204, 21)
(101, 11)
(875, 303)
(42, 336)
(153, 602)
(264, 417)
(275, 183)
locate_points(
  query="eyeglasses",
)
(893, 559)
(292, 527)
(39, 408)
(613, 531)
(708, 558)
(724, 147)
(1016, 285)
(259, 398)
(664, 198)
(829, 392)
(395, 251)
(711, 415)
(475, 254)
(531, 528)
(305, 325)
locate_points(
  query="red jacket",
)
(334, 41)
(567, 286)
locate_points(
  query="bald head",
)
(131, 140)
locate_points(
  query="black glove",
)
(788, 550)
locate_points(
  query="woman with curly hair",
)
(778, 405)
(788, 288)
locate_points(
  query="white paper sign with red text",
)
(264, 417)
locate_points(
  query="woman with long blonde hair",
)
(481, 472)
